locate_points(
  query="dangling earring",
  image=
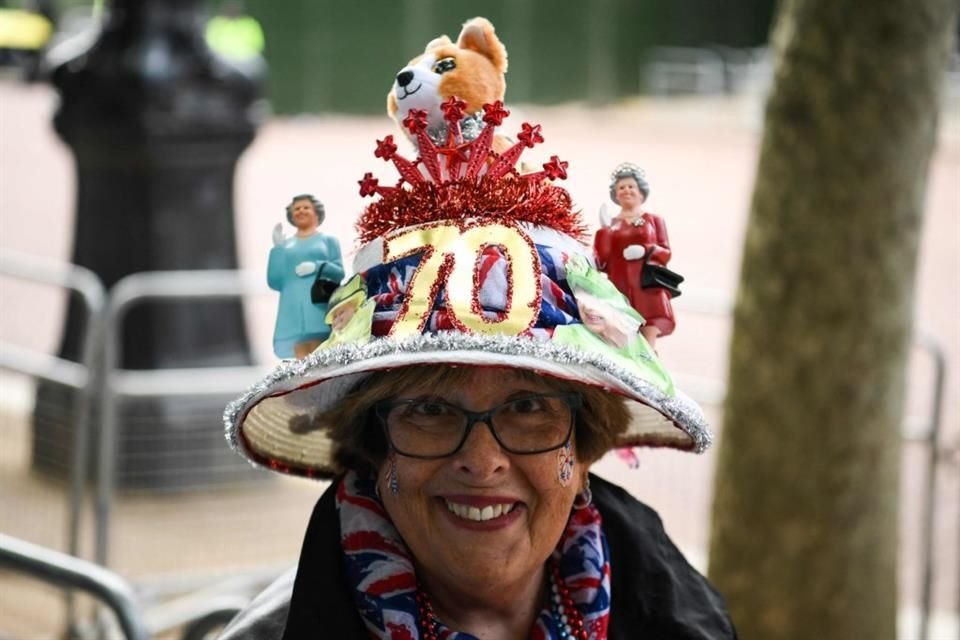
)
(392, 483)
(584, 498)
(565, 464)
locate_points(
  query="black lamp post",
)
(156, 123)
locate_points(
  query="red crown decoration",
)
(466, 179)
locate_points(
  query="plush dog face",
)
(471, 69)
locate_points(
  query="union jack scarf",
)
(381, 573)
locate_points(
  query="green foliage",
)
(342, 56)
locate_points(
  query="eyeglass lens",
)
(432, 427)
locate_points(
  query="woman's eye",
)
(442, 66)
(527, 405)
(429, 408)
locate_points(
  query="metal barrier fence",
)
(728, 70)
(203, 598)
(937, 454)
(706, 71)
(80, 377)
(73, 573)
(99, 385)
(136, 289)
(108, 385)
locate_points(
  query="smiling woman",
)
(460, 421)
(481, 521)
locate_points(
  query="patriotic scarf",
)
(381, 574)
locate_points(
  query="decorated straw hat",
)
(466, 261)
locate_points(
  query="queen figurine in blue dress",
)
(301, 267)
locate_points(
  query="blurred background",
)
(675, 86)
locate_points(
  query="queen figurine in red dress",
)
(633, 250)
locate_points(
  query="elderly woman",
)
(293, 267)
(459, 435)
(629, 249)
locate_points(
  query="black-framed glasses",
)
(429, 427)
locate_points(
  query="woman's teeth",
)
(477, 514)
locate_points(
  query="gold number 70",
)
(448, 244)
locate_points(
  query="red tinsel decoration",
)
(508, 200)
(503, 195)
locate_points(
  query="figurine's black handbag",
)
(322, 287)
(655, 275)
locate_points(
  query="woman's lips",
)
(483, 512)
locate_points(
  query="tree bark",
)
(805, 513)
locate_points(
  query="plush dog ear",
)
(478, 35)
(437, 42)
(392, 105)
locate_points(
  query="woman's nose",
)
(481, 454)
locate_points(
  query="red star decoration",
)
(385, 148)
(556, 168)
(368, 186)
(530, 135)
(493, 114)
(458, 153)
(457, 188)
(416, 120)
(453, 109)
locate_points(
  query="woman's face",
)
(628, 193)
(593, 319)
(304, 215)
(601, 320)
(504, 549)
(342, 315)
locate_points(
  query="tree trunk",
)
(805, 513)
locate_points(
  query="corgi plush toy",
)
(471, 69)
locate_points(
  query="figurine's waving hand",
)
(278, 238)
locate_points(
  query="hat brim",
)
(270, 424)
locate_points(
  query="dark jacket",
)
(657, 595)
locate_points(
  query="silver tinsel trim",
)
(292, 373)
(470, 127)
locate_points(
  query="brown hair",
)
(360, 444)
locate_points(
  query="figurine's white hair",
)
(628, 170)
